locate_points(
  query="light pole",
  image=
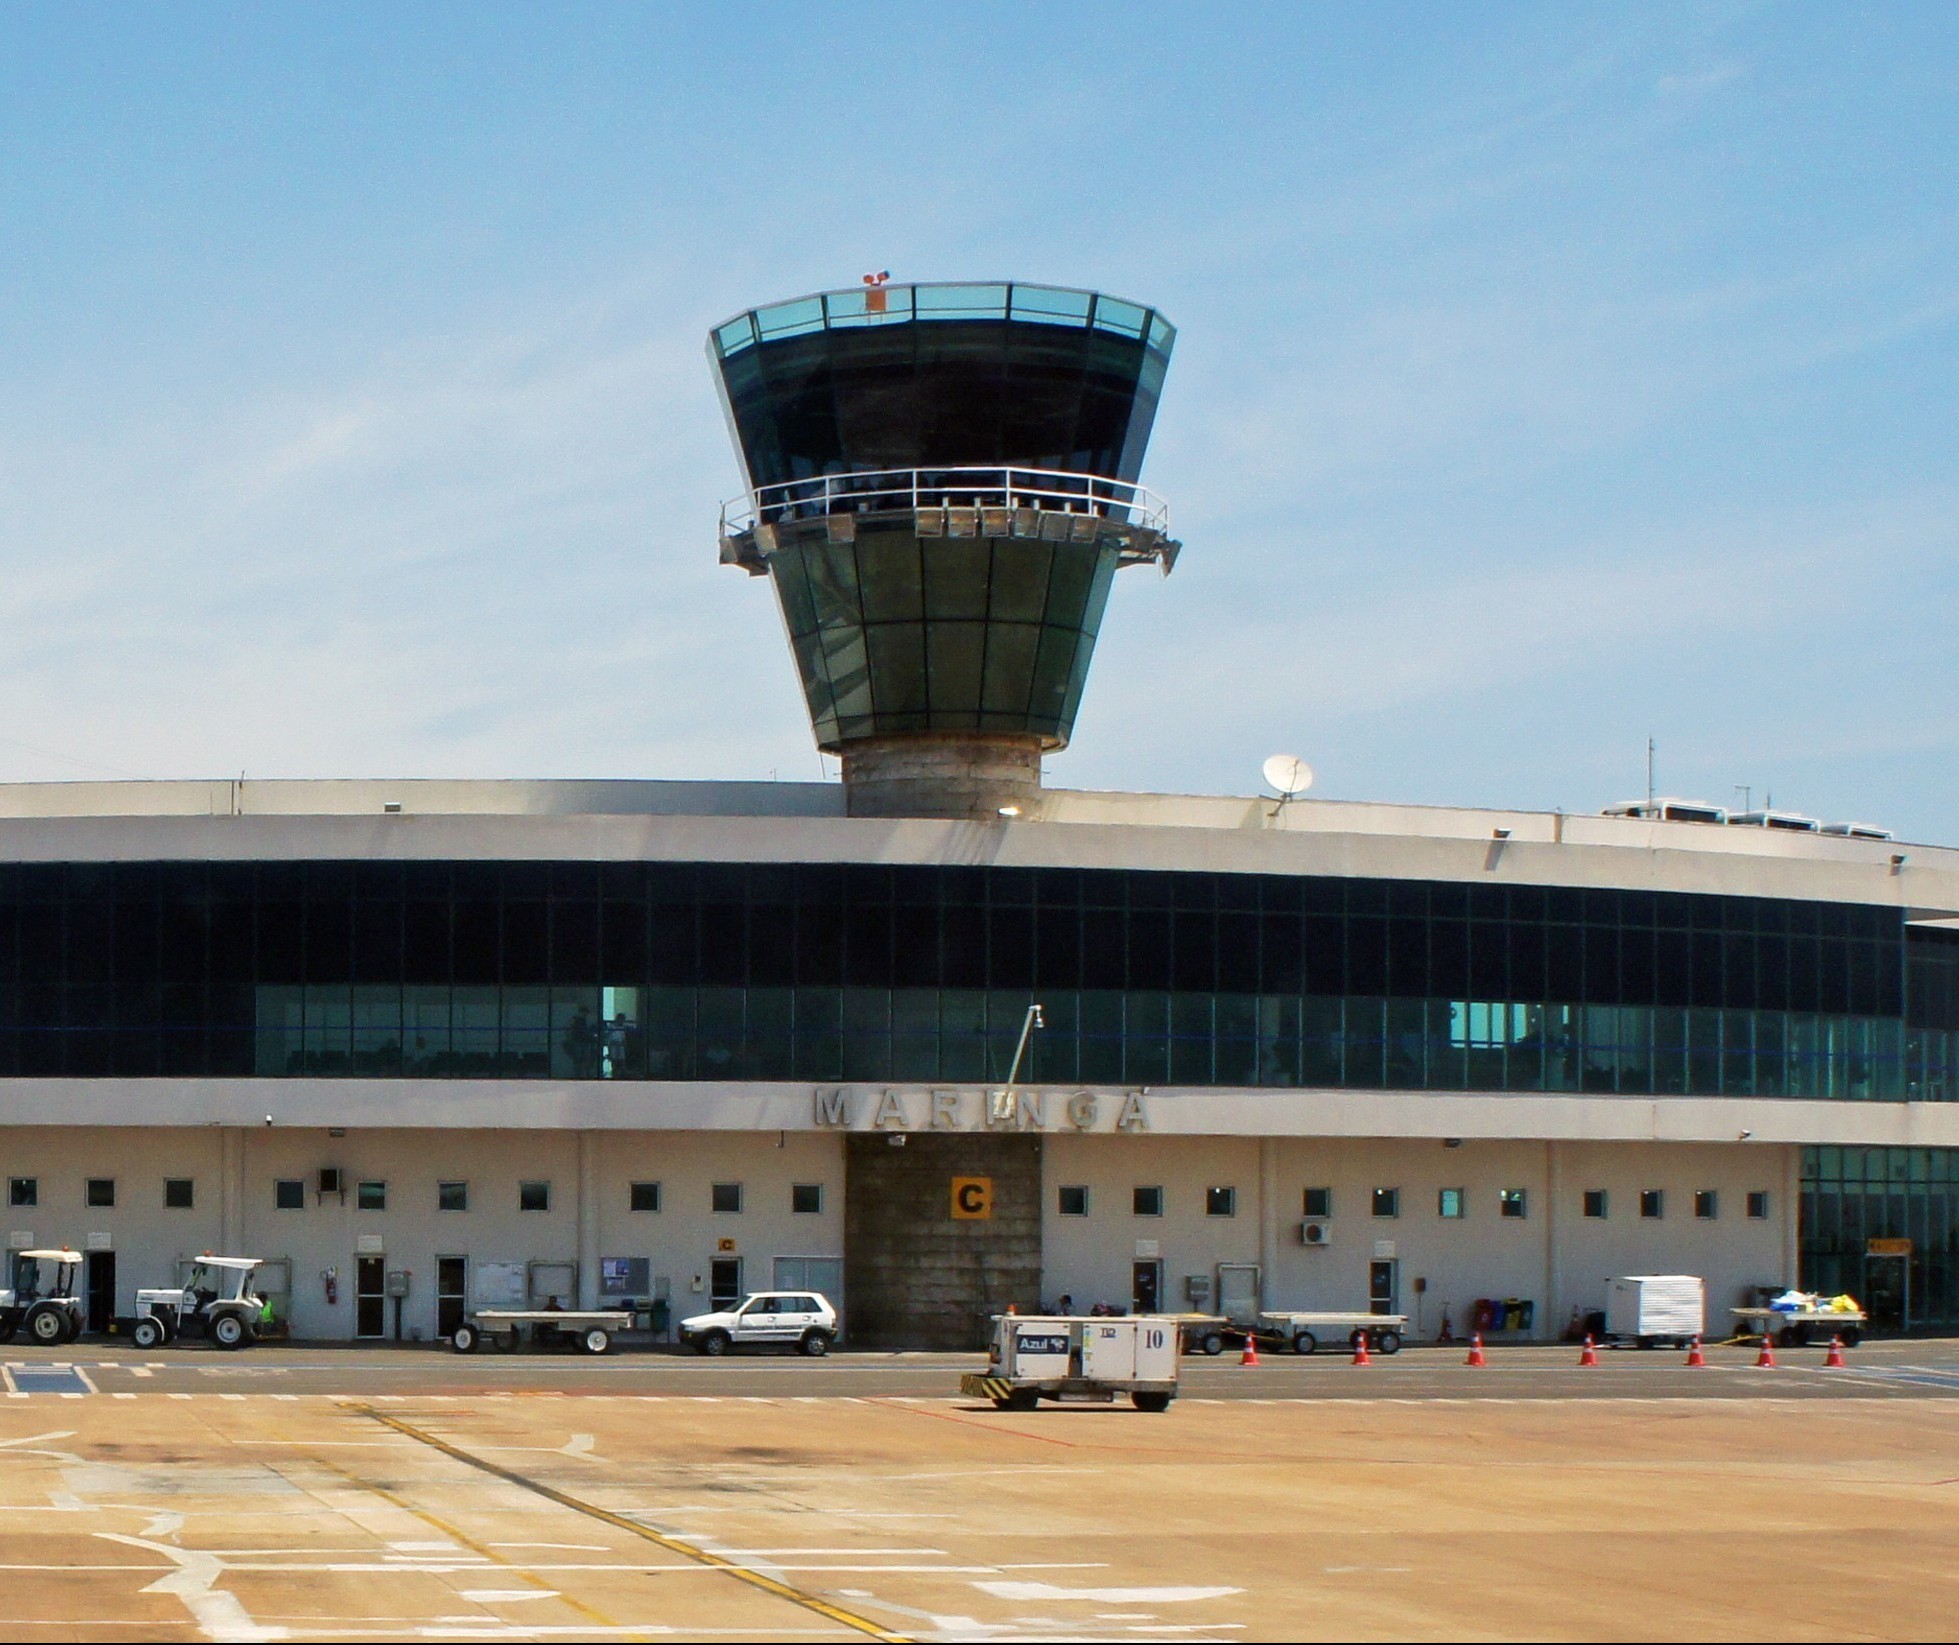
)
(1003, 1100)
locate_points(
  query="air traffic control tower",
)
(942, 483)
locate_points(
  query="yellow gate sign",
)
(1887, 1247)
(972, 1199)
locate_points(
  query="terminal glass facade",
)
(678, 971)
(1903, 1201)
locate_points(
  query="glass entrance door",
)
(1384, 1286)
(724, 1282)
(1146, 1287)
(1887, 1292)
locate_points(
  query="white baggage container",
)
(1653, 1308)
(1057, 1357)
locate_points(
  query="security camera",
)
(1746, 1135)
(268, 1119)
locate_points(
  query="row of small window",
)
(289, 1194)
(99, 1193)
(1148, 1201)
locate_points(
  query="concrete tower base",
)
(945, 774)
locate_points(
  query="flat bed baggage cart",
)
(1804, 1326)
(1304, 1333)
(1205, 1333)
(588, 1329)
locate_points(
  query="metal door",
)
(1238, 1298)
(1384, 1286)
(451, 1294)
(101, 1289)
(370, 1296)
(1146, 1287)
(724, 1282)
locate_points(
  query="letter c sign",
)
(972, 1199)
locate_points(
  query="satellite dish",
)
(1289, 774)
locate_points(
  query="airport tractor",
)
(52, 1312)
(216, 1301)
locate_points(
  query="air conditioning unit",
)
(1315, 1233)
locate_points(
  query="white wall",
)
(1553, 1256)
(677, 1241)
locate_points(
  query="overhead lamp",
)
(1009, 811)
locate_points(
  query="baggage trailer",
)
(1072, 1359)
(1802, 1327)
(588, 1329)
(1653, 1309)
(1303, 1333)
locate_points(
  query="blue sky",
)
(1549, 377)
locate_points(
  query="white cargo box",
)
(1062, 1357)
(1656, 1307)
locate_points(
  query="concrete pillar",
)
(1792, 1207)
(1552, 1323)
(588, 1222)
(231, 1191)
(1268, 1212)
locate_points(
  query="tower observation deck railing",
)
(988, 501)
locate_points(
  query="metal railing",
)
(891, 490)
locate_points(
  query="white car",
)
(790, 1319)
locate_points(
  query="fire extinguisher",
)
(330, 1277)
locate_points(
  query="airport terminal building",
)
(425, 1045)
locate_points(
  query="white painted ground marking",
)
(482, 1627)
(82, 1377)
(563, 1547)
(1060, 1565)
(1103, 1596)
(445, 1546)
(193, 1581)
(20, 1445)
(507, 1596)
(122, 1396)
(717, 1548)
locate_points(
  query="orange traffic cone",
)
(1590, 1354)
(1476, 1351)
(1360, 1349)
(1010, 1307)
(1250, 1355)
(1694, 1354)
(1834, 1360)
(1765, 1360)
